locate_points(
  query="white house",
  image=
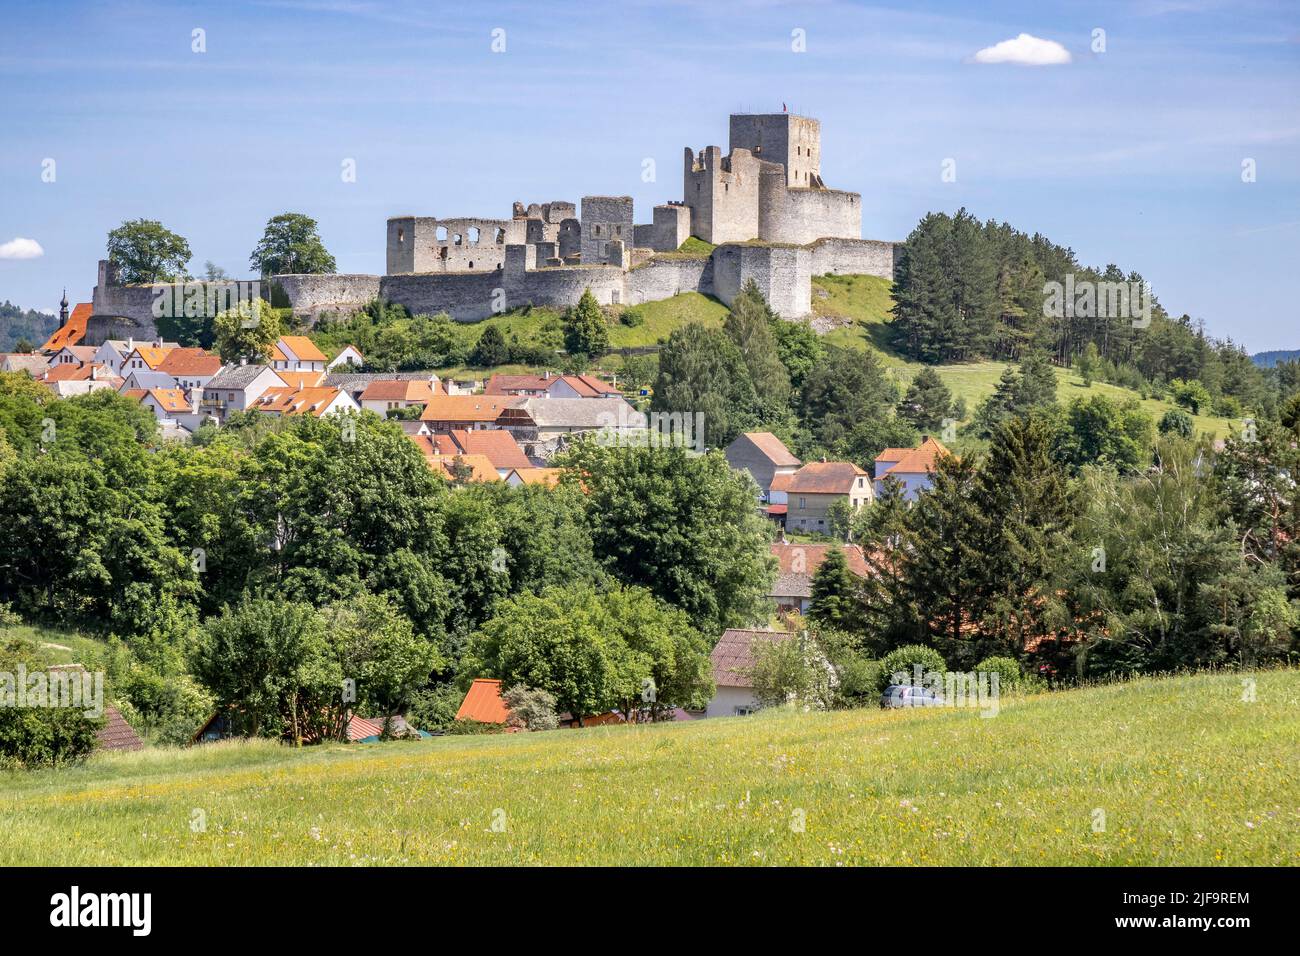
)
(318, 401)
(235, 388)
(296, 353)
(383, 396)
(191, 367)
(913, 468)
(733, 661)
(349, 355)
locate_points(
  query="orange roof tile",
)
(297, 401)
(824, 478)
(170, 399)
(406, 390)
(588, 386)
(302, 347)
(914, 461)
(497, 445)
(468, 408)
(550, 477)
(483, 703)
(72, 331)
(506, 384)
(152, 355)
(190, 361)
(301, 379)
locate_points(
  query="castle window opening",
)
(401, 235)
(473, 234)
(471, 263)
(501, 235)
(441, 233)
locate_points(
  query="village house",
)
(547, 477)
(389, 395)
(318, 402)
(74, 355)
(349, 357)
(581, 386)
(147, 356)
(33, 364)
(192, 368)
(446, 412)
(733, 663)
(811, 490)
(356, 383)
(144, 378)
(235, 389)
(296, 353)
(764, 457)
(913, 468)
(497, 446)
(526, 386)
(543, 426)
(796, 565)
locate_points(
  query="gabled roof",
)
(913, 461)
(147, 378)
(297, 401)
(797, 563)
(497, 445)
(72, 331)
(733, 655)
(441, 455)
(821, 478)
(483, 703)
(33, 364)
(170, 399)
(235, 378)
(398, 390)
(468, 408)
(583, 413)
(68, 372)
(190, 361)
(82, 353)
(772, 448)
(500, 384)
(588, 386)
(305, 379)
(303, 349)
(550, 477)
(152, 355)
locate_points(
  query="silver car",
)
(904, 695)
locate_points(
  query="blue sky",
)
(1132, 155)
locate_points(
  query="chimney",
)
(130, 344)
(243, 360)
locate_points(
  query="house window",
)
(743, 711)
(803, 503)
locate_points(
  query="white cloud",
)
(1026, 50)
(20, 248)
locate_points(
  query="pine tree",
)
(835, 601)
(749, 326)
(491, 348)
(584, 328)
(927, 402)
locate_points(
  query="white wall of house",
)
(913, 484)
(727, 700)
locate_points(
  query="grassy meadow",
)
(1176, 771)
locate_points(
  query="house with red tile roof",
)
(72, 331)
(192, 368)
(317, 402)
(811, 490)
(165, 403)
(296, 353)
(529, 386)
(763, 456)
(581, 386)
(796, 565)
(445, 412)
(912, 467)
(386, 395)
(547, 477)
(497, 446)
(733, 662)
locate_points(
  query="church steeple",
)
(63, 309)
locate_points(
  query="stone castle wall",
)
(801, 216)
(605, 219)
(429, 244)
(311, 295)
(783, 274)
(855, 257)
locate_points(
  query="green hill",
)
(1161, 772)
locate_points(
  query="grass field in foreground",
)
(1184, 771)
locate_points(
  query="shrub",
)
(45, 736)
(469, 727)
(1178, 422)
(8, 616)
(434, 708)
(530, 708)
(904, 659)
(1007, 668)
(631, 317)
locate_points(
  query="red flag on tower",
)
(783, 109)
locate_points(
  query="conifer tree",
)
(927, 402)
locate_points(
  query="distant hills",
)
(1269, 359)
(18, 324)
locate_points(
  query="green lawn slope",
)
(1175, 771)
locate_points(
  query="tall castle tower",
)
(793, 141)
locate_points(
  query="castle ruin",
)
(763, 205)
